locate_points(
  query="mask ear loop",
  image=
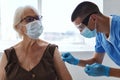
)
(96, 25)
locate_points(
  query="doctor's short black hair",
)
(83, 9)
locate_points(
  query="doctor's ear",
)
(93, 17)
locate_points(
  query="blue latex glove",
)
(97, 70)
(69, 58)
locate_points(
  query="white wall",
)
(111, 7)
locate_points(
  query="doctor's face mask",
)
(86, 32)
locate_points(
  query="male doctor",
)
(91, 22)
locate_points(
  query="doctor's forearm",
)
(83, 63)
(115, 72)
(97, 58)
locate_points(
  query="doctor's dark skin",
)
(88, 15)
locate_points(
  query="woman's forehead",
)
(29, 12)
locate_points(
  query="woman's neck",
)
(28, 44)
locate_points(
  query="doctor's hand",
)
(69, 58)
(97, 70)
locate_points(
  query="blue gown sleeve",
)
(98, 47)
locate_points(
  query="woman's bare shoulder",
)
(43, 43)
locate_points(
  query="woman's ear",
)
(22, 27)
(18, 28)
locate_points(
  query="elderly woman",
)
(32, 58)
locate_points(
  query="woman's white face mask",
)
(34, 29)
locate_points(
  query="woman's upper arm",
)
(3, 63)
(60, 66)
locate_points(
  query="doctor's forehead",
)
(77, 21)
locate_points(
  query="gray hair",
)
(18, 16)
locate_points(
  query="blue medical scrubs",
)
(110, 45)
